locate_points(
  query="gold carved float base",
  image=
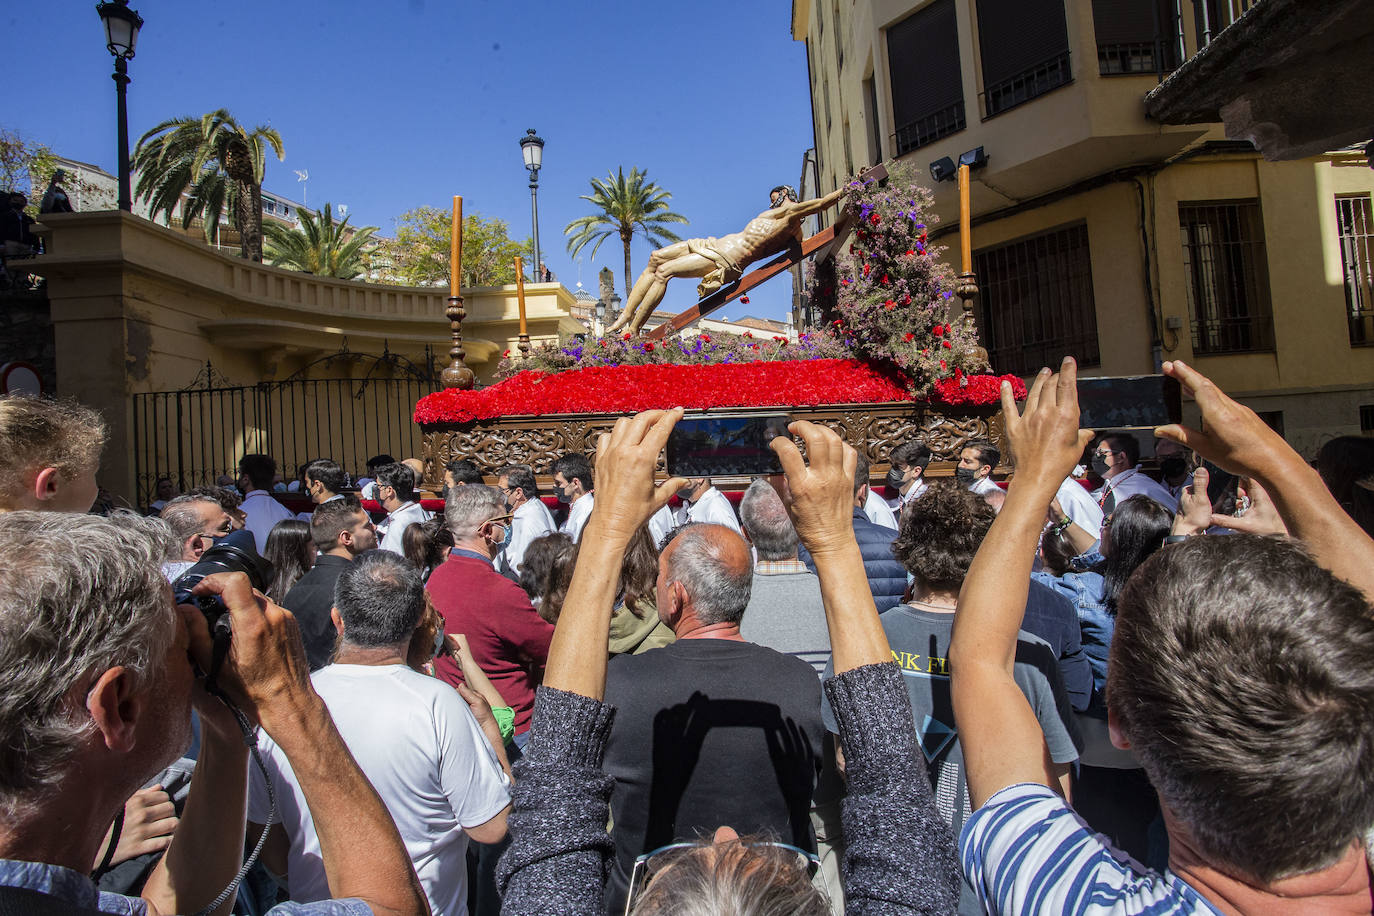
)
(873, 428)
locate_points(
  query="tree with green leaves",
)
(320, 246)
(420, 253)
(25, 166)
(625, 206)
(214, 160)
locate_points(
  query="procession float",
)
(896, 357)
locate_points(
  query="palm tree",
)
(214, 160)
(320, 246)
(626, 206)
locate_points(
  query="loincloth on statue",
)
(727, 271)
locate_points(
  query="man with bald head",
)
(711, 729)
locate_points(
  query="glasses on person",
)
(501, 518)
(650, 864)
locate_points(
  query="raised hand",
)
(625, 458)
(1232, 435)
(1194, 514)
(1261, 518)
(1045, 439)
(819, 495)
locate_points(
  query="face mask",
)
(505, 538)
(560, 493)
(965, 476)
(895, 479)
(1100, 465)
(1173, 467)
(439, 640)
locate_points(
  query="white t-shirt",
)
(983, 486)
(263, 512)
(396, 524)
(532, 520)
(660, 523)
(1135, 483)
(420, 747)
(578, 513)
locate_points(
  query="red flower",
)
(625, 389)
(938, 330)
(908, 337)
(925, 352)
(749, 334)
(873, 219)
(506, 354)
(705, 337)
(648, 348)
(942, 364)
(627, 335)
(889, 305)
(838, 322)
(906, 300)
(602, 342)
(744, 299)
(909, 252)
(885, 280)
(947, 345)
(867, 268)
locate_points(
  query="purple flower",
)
(947, 294)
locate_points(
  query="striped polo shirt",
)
(1026, 851)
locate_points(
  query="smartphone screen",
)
(1130, 402)
(725, 446)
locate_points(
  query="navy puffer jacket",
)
(886, 577)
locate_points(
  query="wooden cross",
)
(820, 243)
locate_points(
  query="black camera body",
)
(235, 552)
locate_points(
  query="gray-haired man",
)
(95, 697)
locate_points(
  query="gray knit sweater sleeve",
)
(900, 856)
(560, 851)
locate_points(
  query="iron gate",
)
(199, 433)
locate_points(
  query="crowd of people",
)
(1114, 684)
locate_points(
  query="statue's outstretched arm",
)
(817, 204)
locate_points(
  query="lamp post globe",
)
(121, 38)
(532, 148)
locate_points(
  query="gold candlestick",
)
(456, 374)
(524, 344)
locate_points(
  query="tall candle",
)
(520, 290)
(455, 256)
(965, 221)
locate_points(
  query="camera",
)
(235, 552)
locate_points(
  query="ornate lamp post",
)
(533, 149)
(121, 34)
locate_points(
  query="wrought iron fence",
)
(198, 433)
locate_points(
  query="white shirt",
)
(1079, 506)
(578, 513)
(711, 508)
(660, 523)
(1132, 483)
(396, 524)
(422, 750)
(263, 513)
(917, 488)
(532, 520)
(984, 485)
(876, 508)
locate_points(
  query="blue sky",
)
(397, 103)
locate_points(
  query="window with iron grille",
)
(1356, 222)
(1227, 275)
(1037, 301)
(1024, 46)
(1367, 418)
(1135, 36)
(927, 83)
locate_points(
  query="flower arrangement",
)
(891, 298)
(701, 350)
(753, 383)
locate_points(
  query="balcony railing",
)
(1250, 334)
(930, 128)
(1026, 85)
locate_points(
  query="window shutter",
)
(923, 61)
(1015, 36)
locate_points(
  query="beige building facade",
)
(195, 358)
(1098, 232)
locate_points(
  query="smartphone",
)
(1129, 402)
(725, 446)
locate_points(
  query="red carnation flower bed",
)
(628, 389)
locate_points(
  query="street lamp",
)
(121, 34)
(615, 306)
(533, 149)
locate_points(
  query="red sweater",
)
(508, 639)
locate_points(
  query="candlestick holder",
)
(966, 288)
(457, 374)
(524, 346)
